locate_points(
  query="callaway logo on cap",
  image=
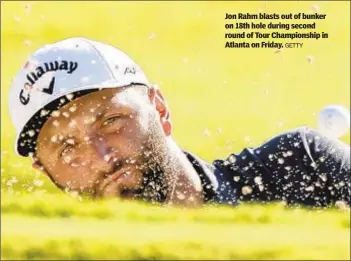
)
(40, 71)
(59, 72)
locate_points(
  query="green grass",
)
(241, 97)
(65, 228)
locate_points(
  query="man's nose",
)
(107, 155)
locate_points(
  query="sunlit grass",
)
(221, 100)
(65, 227)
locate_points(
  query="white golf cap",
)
(59, 72)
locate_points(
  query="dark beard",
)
(153, 189)
(154, 186)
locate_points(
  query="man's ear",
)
(161, 106)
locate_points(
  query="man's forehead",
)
(122, 95)
(90, 107)
(95, 97)
(92, 103)
(79, 109)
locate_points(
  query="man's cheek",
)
(129, 142)
(132, 129)
(78, 179)
(137, 125)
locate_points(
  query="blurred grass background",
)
(221, 100)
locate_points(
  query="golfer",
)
(87, 115)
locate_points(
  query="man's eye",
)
(110, 120)
(66, 149)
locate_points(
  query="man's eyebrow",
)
(100, 113)
(57, 140)
(56, 144)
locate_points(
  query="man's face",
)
(101, 143)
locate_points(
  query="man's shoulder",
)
(206, 172)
